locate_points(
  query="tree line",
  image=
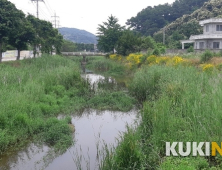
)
(112, 37)
(69, 46)
(152, 19)
(21, 32)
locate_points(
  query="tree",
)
(108, 34)
(46, 37)
(129, 42)
(68, 46)
(148, 42)
(37, 39)
(22, 36)
(10, 18)
(152, 19)
(58, 42)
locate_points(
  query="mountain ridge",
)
(78, 36)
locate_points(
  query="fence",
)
(14, 53)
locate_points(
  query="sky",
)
(85, 14)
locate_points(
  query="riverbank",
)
(35, 91)
(180, 98)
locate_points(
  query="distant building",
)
(211, 37)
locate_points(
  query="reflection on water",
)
(92, 129)
(107, 83)
(29, 158)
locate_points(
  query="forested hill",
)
(78, 36)
(151, 19)
(188, 25)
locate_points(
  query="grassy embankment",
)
(34, 91)
(110, 94)
(181, 101)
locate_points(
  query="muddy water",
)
(93, 128)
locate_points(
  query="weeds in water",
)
(108, 100)
(33, 91)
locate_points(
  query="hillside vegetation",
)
(78, 36)
(188, 25)
(151, 19)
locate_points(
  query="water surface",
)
(93, 128)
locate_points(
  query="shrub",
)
(190, 49)
(206, 56)
(156, 52)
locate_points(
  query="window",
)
(201, 45)
(207, 28)
(219, 27)
(216, 44)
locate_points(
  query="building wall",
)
(212, 28)
(208, 44)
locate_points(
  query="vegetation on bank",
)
(33, 92)
(180, 101)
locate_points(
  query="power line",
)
(37, 3)
(55, 20)
(48, 7)
(44, 14)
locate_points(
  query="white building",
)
(211, 37)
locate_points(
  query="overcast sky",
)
(86, 14)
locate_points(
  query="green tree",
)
(58, 42)
(68, 46)
(37, 38)
(152, 19)
(22, 36)
(108, 34)
(10, 18)
(129, 42)
(46, 37)
(148, 43)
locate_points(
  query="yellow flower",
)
(115, 57)
(176, 60)
(151, 59)
(134, 59)
(207, 67)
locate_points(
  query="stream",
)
(93, 129)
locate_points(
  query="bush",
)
(206, 56)
(156, 52)
(190, 49)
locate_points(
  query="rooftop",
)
(211, 20)
(206, 36)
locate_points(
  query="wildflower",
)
(207, 67)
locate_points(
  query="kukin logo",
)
(194, 148)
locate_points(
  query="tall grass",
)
(180, 104)
(106, 66)
(33, 91)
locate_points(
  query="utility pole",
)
(55, 20)
(164, 35)
(37, 3)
